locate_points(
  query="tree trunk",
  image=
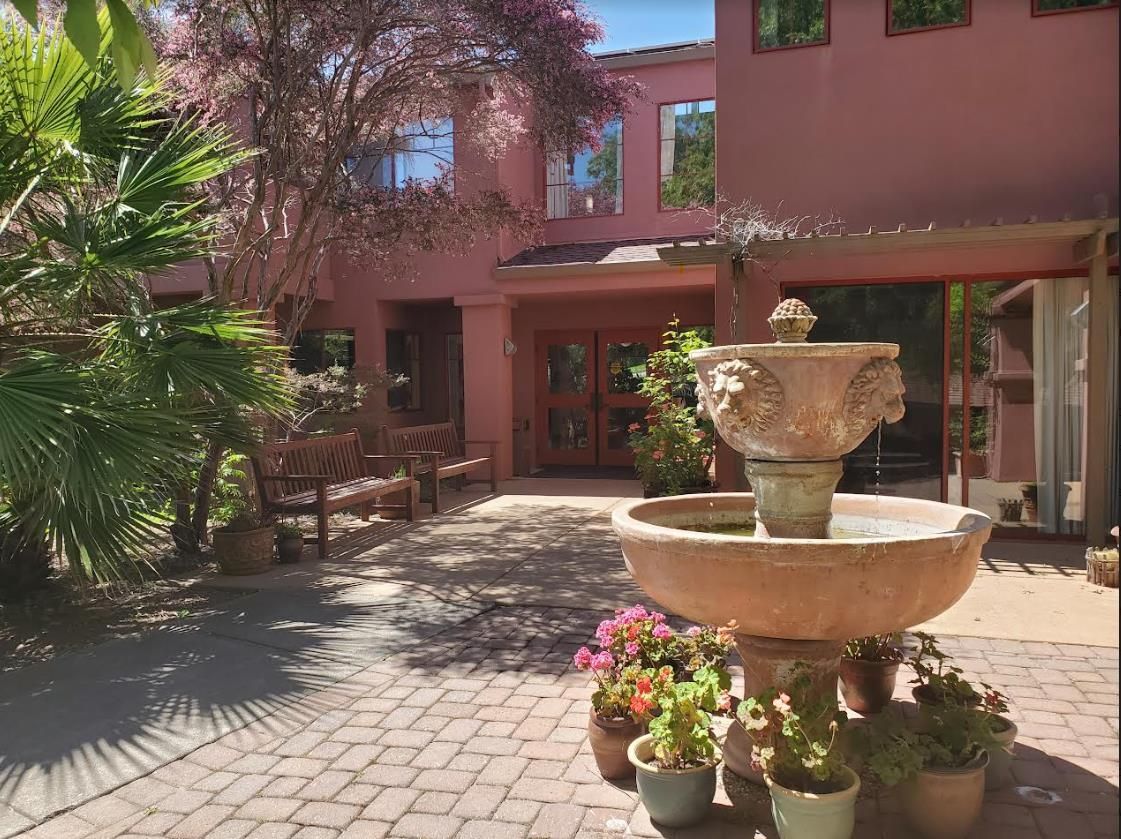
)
(186, 540)
(207, 472)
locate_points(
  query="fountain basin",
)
(798, 402)
(897, 562)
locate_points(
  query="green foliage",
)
(682, 730)
(675, 450)
(875, 648)
(693, 182)
(795, 736)
(954, 737)
(288, 531)
(784, 23)
(934, 671)
(130, 47)
(105, 399)
(1058, 5)
(915, 14)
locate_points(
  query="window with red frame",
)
(914, 15)
(790, 23)
(1046, 7)
(687, 154)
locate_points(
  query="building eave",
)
(572, 269)
(661, 54)
(900, 240)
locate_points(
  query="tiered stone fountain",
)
(799, 568)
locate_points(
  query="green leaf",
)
(126, 42)
(80, 23)
(29, 10)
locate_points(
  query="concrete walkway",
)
(322, 643)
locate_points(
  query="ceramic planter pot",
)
(610, 739)
(998, 774)
(243, 552)
(944, 803)
(805, 815)
(289, 548)
(867, 685)
(673, 797)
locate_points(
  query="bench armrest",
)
(407, 460)
(426, 453)
(296, 477)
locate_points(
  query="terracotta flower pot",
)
(737, 753)
(289, 548)
(998, 774)
(610, 739)
(867, 685)
(243, 552)
(944, 803)
(673, 797)
(806, 815)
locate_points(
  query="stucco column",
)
(488, 375)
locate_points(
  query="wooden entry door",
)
(586, 385)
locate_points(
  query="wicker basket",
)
(240, 553)
(1101, 566)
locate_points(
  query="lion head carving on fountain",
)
(875, 393)
(742, 397)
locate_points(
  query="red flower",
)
(644, 685)
(638, 705)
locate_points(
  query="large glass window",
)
(1044, 7)
(688, 154)
(422, 152)
(317, 349)
(402, 356)
(913, 15)
(589, 183)
(1027, 401)
(790, 23)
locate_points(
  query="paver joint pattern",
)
(481, 734)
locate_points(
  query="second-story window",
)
(915, 15)
(790, 23)
(589, 183)
(316, 350)
(687, 154)
(422, 151)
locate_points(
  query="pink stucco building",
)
(986, 142)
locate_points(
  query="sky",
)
(640, 23)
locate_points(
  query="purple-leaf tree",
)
(330, 91)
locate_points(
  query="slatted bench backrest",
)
(438, 437)
(337, 455)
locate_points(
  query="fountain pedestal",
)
(792, 499)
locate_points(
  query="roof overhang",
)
(580, 269)
(661, 54)
(1088, 237)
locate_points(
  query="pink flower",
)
(657, 455)
(632, 649)
(662, 631)
(724, 703)
(701, 434)
(582, 659)
(634, 426)
(602, 661)
(782, 703)
(693, 631)
(657, 617)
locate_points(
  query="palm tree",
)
(105, 399)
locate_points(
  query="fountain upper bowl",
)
(910, 561)
(797, 401)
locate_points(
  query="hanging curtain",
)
(556, 184)
(1059, 319)
(1113, 405)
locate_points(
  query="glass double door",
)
(587, 385)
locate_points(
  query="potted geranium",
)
(673, 452)
(939, 772)
(637, 636)
(868, 670)
(289, 543)
(676, 762)
(939, 685)
(796, 746)
(612, 722)
(700, 646)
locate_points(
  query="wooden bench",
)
(441, 453)
(324, 474)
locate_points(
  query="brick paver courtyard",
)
(480, 733)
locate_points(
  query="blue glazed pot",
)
(673, 797)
